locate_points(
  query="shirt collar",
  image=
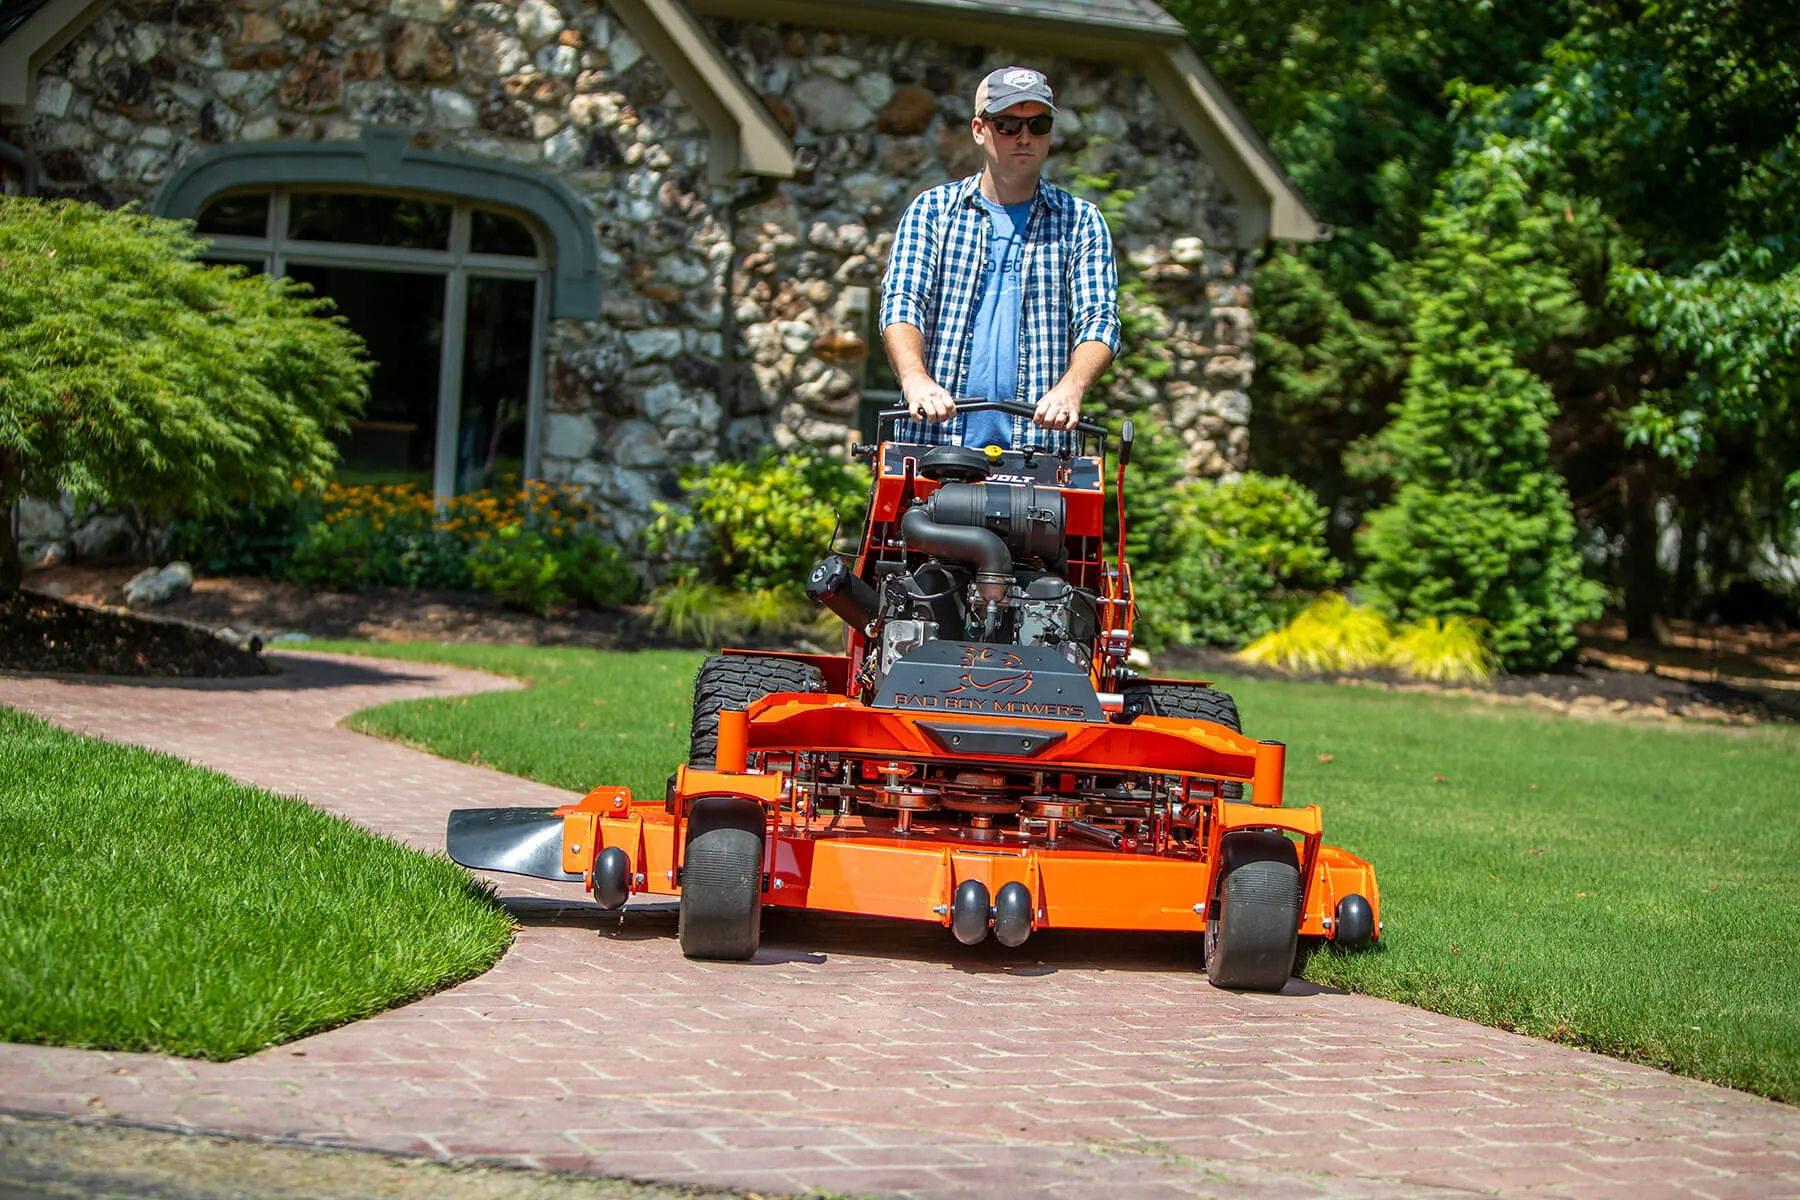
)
(969, 192)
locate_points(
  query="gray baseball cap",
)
(1013, 85)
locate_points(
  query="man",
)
(1001, 286)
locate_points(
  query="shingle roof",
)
(14, 12)
(1138, 15)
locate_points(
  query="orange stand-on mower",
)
(979, 756)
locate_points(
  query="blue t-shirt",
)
(994, 355)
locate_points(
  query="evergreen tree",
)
(1481, 524)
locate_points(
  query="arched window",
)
(449, 266)
(450, 297)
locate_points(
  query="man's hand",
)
(1060, 407)
(925, 400)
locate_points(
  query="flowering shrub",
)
(536, 548)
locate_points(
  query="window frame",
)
(275, 250)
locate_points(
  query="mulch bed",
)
(41, 634)
(1735, 676)
(1631, 688)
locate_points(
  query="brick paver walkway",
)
(867, 1057)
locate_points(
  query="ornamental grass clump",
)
(1333, 636)
(693, 610)
(1329, 635)
(1453, 650)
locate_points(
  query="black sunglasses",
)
(1010, 126)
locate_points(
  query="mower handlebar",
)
(1016, 408)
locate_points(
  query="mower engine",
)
(993, 575)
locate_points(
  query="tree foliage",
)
(1648, 306)
(134, 375)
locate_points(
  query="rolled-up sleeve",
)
(906, 288)
(1093, 283)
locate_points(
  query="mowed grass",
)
(147, 904)
(586, 717)
(1628, 889)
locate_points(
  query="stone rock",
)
(260, 60)
(837, 67)
(508, 118)
(1233, 406)
(384, 104)
(828, 106)
(53, 97)
(875, 88)
(42, 520)
(569, 435)
(491, 52)
(539, 22)
(217, 123)
(1188, 251)
(637, 444)
(429, 11)
(565, 149)
(1229, 369)
(594, 110)
(1232, 326)
(841, 346)
(649, 345)
(418, 52)
(957, 150)
(558, 60)
(306, 20)
(157, 586)
(314, 85)
(908, 112)
(364, 63)
(533, 88)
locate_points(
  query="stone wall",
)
(890, 119)
(560, 85)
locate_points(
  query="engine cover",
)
(989, 680)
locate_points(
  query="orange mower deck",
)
(981, 754)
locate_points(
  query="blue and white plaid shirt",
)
(1069, 286)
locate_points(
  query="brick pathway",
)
(868, 1057)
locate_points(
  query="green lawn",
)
(1630, 889)
(147, 904)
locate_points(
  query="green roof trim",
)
(384, 160)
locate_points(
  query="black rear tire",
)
(721, 880)
(735, 681)
(1192, 703)
(1253, 921)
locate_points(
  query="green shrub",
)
(1233, 561)
(537, 572)
(255, 539)
(762, 524)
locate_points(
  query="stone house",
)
(596, 241)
